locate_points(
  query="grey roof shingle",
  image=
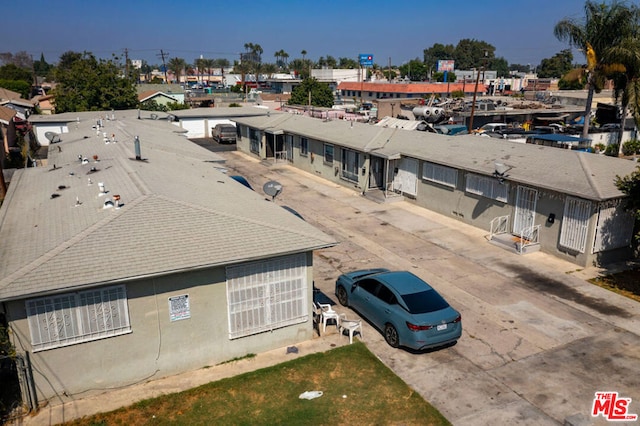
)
(580, 174)
(179, 212)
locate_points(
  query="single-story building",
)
(133, 257)
(369, 91)
(561, 201)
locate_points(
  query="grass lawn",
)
(358, 390)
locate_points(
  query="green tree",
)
(87, 84)
(603, 28)
(439, 76)
(312, 92)
(13, 72)
(471, 53)
(414, 69)
(501, 66)
(18, 86)
(437, 52)
(630, 185)
(556, 66)
(627, 80)
(348, 63)
(178, 66)
(41, 67)
(328, 62)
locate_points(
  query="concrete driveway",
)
(538, 340)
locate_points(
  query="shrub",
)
(612, 150)
(631, 147)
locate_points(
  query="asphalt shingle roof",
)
(576, 173)
(178, 212)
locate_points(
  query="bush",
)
(631, 147)
(612, 150)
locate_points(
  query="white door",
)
(406, 180)
(525, 209)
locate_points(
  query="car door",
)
(384, 307)
(363, 297)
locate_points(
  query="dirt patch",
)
(626, 283)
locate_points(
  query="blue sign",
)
(366, 60)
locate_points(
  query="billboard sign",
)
(446, 65)
(366, 60)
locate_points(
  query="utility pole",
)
(162, 55)
(126, 61)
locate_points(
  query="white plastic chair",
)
(326, 314)
(352, 326)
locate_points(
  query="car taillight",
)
(414, 327)
(457, 319)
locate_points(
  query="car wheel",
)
(391, 336)
(343, 298)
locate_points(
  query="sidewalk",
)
(114, 399)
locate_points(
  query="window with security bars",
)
(71, 318)
(575, 224)
(328, 153)
(304, 146)
(487, 187)
(350, 165)
(267, 295)
(440, 174)
(254, 141)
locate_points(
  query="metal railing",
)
(391, 190)
(529, 236)
(499, 225)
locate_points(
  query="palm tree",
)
(200, 67)
(604, 27)
(627, 81)
(303, 53)
(208, 65)
(177, 65)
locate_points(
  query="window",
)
(386, 295)
(575, 224)
(72, 318)
(487, 187)
(615, 227)
(254, 141)
(350, 165)
(304, 146)
(328, 153)
(440, 174)
(370, 286)
(267, 295)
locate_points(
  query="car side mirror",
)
(353, 287)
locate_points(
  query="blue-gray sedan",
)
(406, 309)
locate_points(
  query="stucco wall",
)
(156, 346)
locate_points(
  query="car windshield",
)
(425, 301)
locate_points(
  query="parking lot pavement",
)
(538, 340)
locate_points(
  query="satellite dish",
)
(52, 137)
(272, 189)
(501, 169)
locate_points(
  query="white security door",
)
(406, 179)
(525, 209)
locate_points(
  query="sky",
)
(393, 32)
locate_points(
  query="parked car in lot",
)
(224, 133)
(407, 310)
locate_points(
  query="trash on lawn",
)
(310, 394)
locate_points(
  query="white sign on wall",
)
(179, 307)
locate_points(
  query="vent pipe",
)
(136, 144)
